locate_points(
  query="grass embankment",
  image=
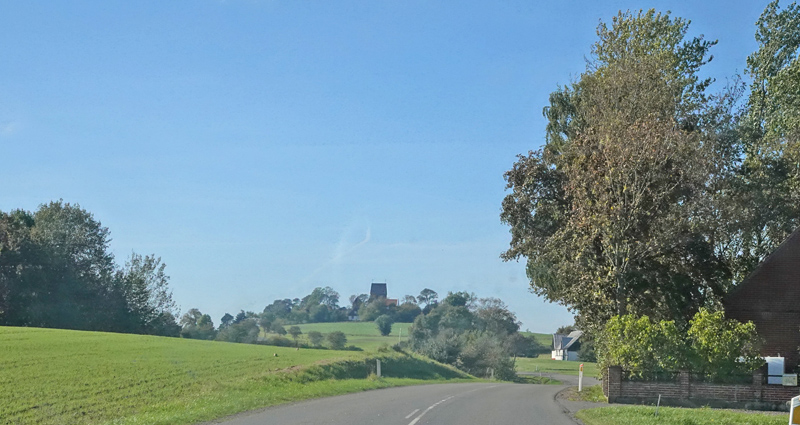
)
(645, 415)
(53, 376)
(363, 335)
(545, 364)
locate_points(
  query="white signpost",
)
(580, 379)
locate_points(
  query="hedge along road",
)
(441, 404)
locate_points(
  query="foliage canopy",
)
(653, 196)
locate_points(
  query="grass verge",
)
(540, 380)
(593, 394)
(59, 376)
(645, 415)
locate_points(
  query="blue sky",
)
(264, 148)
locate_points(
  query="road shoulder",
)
(570, 407)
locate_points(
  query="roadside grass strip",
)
(539, 380)
(645, 415)
(592, 394)
(51, 376)
(545, 364)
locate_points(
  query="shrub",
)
(641, 346)
(277, 340)
(483, 355)
(712, 346)
(336, 340)
(720, 347)
(384, 324)
(245, 331)
(477, 336)
(315, 338)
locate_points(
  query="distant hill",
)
(544, 339)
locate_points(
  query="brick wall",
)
(618, 390)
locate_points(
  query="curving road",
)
(440, 404)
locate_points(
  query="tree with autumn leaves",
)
(648, 197)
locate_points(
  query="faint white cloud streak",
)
(339, 254)
(9, 128)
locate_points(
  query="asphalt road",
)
(440, 404)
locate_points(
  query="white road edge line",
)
(412, 414)
(428, 410)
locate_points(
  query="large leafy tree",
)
(764, 191)
(78, 265)
(605, 213)
(652, 196)
(56, 270)
(326, 296)
(197, 325)
(21, 272)
(143, 286)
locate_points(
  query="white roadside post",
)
(379, 368)
(580, 379)
(794, 411)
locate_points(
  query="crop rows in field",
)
(77, 375)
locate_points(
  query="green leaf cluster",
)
(711, 346)
(721, 347)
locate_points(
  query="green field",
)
(53, 376)
(645, 415)
(363, 335)
(545, 339)
(544, 364)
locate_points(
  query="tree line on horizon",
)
(320, 306)
(57, 271)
